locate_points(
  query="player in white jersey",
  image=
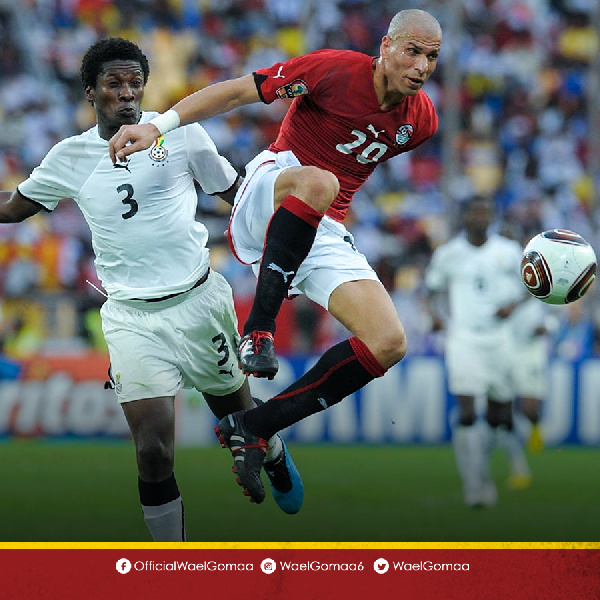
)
(169, 320)
(479, 272)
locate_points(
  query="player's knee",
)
(531, 409)
(533, 415)
(493, 420)
(392, 346)
(500, 415)
(467, 418)
(465, 405)
(318, 188)
(155, 458)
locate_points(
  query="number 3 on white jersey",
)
(375, 149)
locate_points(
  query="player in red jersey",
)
(349, 113)
(337, 123)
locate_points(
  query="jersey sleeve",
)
(290, 79)
(49, 183)
(213, 172)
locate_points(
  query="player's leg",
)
(531, 407)
(501, 432)
(145, 382)
(301, 196)
(363, 307)
(505, 381)
(531, 376)
(500, 419)
(204, 329)
(283, 474)
(489, 491)
(466, 382)
(152, 425)
(467, 443)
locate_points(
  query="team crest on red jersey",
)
(403, 134)
(292, 90)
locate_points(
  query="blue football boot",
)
(285, 481)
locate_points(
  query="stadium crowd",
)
(522, 138)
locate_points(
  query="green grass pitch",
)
(87, 492)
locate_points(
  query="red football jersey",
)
(335, 122)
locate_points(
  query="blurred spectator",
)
(575, 335)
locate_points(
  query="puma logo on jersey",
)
(374, 131)
(278, 269)
(119, 165)
(279, 75)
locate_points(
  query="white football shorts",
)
(479, 367)
(333, 258)
(530, 368)
(157, 348)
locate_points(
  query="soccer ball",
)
(558, 266)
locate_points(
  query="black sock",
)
(341, 371)
(163, 509)
(288, 240)
(160, 492)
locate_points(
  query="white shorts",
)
(530, 368)
(156, 348)
(479, 367)
(333, 258)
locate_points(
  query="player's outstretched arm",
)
(433, 301)
(14, 207)
(505, 311)
(213, 100)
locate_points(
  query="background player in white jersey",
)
(169, 320)
(349, 112)
(479, 272)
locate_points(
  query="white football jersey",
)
(479, 281)
(141, 214)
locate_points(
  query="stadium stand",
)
(522, 137)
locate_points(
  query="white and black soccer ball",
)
(558, 266)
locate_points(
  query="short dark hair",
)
(106, 50)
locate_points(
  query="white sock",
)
(511, 443)
(488, 445)
(522, 426)
(274, 449)
(468, 453)
(166, 521)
